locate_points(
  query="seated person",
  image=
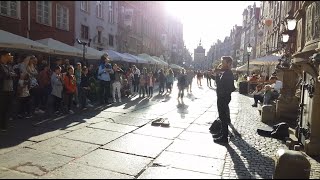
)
(273, 90)
(258, 95)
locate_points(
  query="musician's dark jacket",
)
(225, 83)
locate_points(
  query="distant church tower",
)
(199, 56)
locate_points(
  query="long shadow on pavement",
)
(256, 163)
(21, 130)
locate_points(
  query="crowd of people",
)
(30, 84)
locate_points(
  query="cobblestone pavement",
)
(250, 156)
(119, 142)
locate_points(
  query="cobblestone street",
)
(119, 142)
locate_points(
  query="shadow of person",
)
(247, 161)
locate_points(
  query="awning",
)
(174, 66)
(244, 67)
(116, 56)
(266, 60)
(9, 40)
(149, 58)
(138, 59)
(160, 60)
(60, 48)
(90, 53)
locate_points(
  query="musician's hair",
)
(227, 58)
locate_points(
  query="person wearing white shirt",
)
(274, 91)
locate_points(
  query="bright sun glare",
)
(207, 20)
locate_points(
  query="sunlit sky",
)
(207, 20)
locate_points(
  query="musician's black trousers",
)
(224, 113)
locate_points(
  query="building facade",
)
(97, 21)
(251, 16)
(235, 38)
(199, 57)
(39, 19)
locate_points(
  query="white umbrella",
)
(138, 59)
(60, 48)
(116, 56)
(266, 60)
(9, 40)
(244, 67)
(90, 52)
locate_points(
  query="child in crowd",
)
(57, 88)
(24, 96)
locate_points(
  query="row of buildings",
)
(125, 26)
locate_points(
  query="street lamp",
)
(287, 39)
(84, 50)
(249, 49)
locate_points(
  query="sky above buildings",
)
(207, 20)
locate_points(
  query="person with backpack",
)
(6, 87)
(105, 69)
(225, 86)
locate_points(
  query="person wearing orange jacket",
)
(70, 87)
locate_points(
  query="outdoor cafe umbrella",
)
(9, 40)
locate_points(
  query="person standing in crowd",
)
(57, 88)
(151, 81)
(105, 69)
(70, 87)
(162, 80)
(77, 74)
(136, 81)
(116, 85)
(84, 88)
(208, 76)
(91, 71)
(23, 95)
(190, 76)
(170, 79)
(143, 82)
(225, 86)
(44, 85)
(182, 83)
(6, 87)
(34, 87)
(130, 77)
(199, 78)
(65, 66)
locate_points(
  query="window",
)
(62, 17)
(110, 40)
(10, 8)
(99, 36)
(84, 32)
(84, 6)
(99, 9)
(111, 12)
(44, 12)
